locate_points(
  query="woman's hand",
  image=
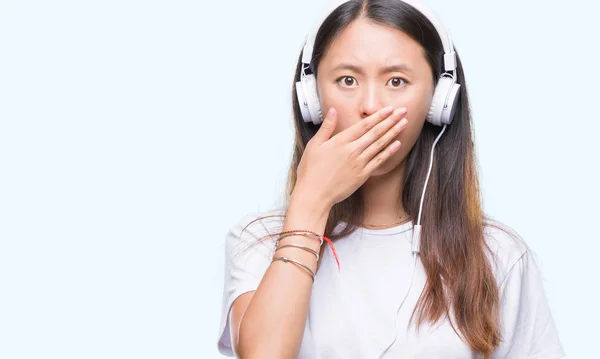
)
(332, 168)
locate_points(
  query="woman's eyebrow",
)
(387, 69)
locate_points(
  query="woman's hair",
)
(453, 249)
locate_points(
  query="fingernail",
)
(401, 124)
(387, 110)
(400, 111)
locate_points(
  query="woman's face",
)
(362, 72)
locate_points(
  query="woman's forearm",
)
(273, 323)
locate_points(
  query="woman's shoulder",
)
(506, 246)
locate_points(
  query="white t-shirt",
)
(352, 311)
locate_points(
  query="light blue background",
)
(134, 133)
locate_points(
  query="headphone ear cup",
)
(308, 99)
(302, 102)
(445, 102)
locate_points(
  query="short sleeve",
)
(247, 257)
(528, 328)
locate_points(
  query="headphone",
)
(441, 111)
(445, 96)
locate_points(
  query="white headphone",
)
(445, 96)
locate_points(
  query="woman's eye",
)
(349, 81)
(396, 81)
(346, 81)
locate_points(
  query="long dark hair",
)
(453, 249)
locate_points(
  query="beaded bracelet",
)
(302, 233)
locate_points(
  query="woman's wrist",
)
(309, 202)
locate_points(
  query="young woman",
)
(387, 172)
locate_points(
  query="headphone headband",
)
(449, 54)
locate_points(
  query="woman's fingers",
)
(382, 141)
(380, 129)
(327, 127)
(382, 157)
(360, 128)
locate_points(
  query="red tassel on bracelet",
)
(335, 256)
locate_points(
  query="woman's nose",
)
(371, 101)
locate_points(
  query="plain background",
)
(135, 133)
